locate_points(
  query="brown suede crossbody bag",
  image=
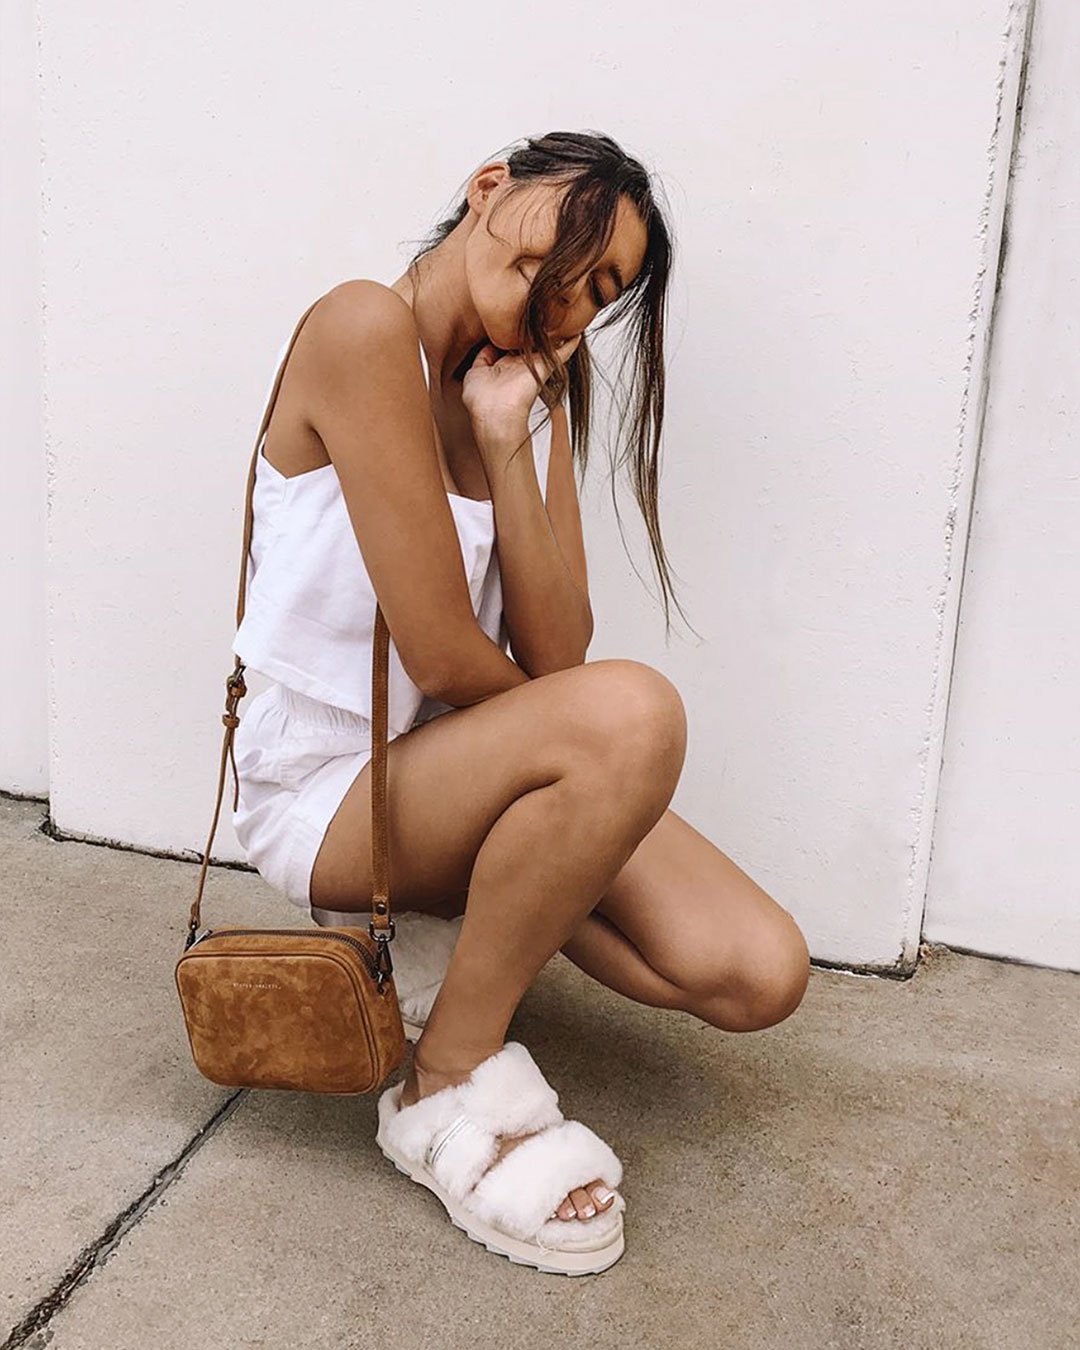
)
(305, 1009)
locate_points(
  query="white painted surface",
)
(1006, 872)
(23, 720)
(209, 171)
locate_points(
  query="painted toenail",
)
(589, 1211)
(603, 1194)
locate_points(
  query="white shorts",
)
(295, 760)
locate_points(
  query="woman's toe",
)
(583, 1202)
(603, 1196)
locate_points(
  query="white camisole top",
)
(309, 609)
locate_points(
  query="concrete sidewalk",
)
(895, 1165)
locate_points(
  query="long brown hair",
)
(597, 171)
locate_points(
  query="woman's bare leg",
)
(683, 926)
(533, 800)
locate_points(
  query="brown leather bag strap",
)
(236, 688)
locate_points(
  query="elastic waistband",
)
(312, 712)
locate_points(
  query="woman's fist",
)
(499, 391)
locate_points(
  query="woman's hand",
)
(499, 391)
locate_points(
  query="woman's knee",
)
(632, 718)
(766, 988)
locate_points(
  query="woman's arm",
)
(542, 556)
(366, 399)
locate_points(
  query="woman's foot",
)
(580, 1203)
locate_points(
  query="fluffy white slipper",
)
(447, 1142)
(420, 951)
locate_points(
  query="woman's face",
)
(499, 274)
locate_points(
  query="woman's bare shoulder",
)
(358, 313)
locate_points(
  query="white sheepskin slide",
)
(447, 1142)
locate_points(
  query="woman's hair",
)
(597, 172)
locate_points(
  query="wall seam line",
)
(980, 362)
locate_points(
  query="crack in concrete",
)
(97, 1252)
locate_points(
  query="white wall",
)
(836, 175)
(1006, 873)
(838, 206)
(23, 716)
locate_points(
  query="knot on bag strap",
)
(235, 689)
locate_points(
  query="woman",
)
(529, 788)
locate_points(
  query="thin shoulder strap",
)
(235, 689)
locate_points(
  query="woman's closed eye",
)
(594, 290)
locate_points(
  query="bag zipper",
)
(369, 960)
